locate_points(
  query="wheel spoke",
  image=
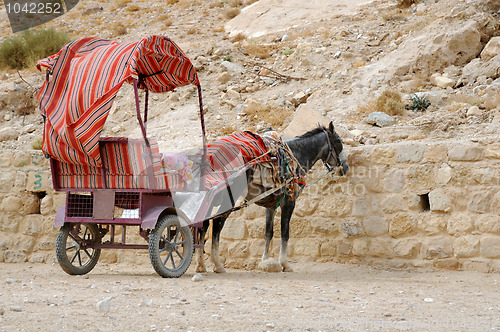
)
(74, 256)
(85, 250)
(172, 259)
(72, 247)
(79, 258)
(168, 256)
(178, 253)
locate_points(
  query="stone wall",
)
(403, 204)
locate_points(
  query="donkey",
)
(318, 144)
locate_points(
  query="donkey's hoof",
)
(201, 269)
(219, 269)
(287, 267)
(270, 265)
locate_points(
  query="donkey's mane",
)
(312, 132)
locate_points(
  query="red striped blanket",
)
(86, 76)
(227, 155)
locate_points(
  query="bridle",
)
(331, 154)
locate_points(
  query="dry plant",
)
(119, 29)
(37, 144)
(271, 114)
(122, 3)
(465, 99)
(220, 130)
(133, 8)
(407, 3)
(172, 2)
(235, 3)
(390, 102)
(239, 37)
(191, 31)
(232, 13)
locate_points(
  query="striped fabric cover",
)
(230, 153)
(125, 167)
(86, 76)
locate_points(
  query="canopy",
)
(86, 76)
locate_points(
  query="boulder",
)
(491, 49)
(8, 134)
(379, 119)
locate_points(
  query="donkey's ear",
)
(330, 127)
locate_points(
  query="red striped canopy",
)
(86, 76)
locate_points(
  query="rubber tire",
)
(61, 250)
(167, 222)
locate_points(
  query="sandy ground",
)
(316, 297)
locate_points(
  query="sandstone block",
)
(15, 256)
(394, 181)
(31, 204)
(375, 225)
(444, 174)
(306, 206)
(490, 246)
(486, 175)
(6, 158)
(361, 207)
(421, 177)
(379, 119)
(344, 248)
(6, 181)
(223, 78)
(328, 248)
(22, 159)
(11, 204)
(447, 263)
(495, 203)
(476, 265)
(393, 203)
(38, 181)
(436, 153)
(439, 201)
(491, 49)
(357, 157)
(360, 247)
(383, 155)
(238, 250)
(443, 81)
(20, 182)
(436, 247)
(410, 153)
(481, 202)
(401, 225)
(433, 224)
(256, 228)
(335, 206)
(407, 248)
(466, 246)
(460, 224)
(466, 153)
(323, 227)
(32, 224)
(307, 247)
(234, 230)
(351, 227)
(381, 247)
(256, 247)
(487, 223)
(371, 178)
(46, 205)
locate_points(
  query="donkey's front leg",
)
(270, 213)
(200, 260)
(286, 214)
(217, 225)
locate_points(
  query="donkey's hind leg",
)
(217, 225)
(270, 213)
(200, 260)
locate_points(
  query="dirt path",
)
(326, 297)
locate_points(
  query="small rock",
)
(2, 311)
(8, 134)
(299, 98)
(197, 277)
(429, 300)
(491, 49)
(16, 308)
(270, 325)
(337, 54)
(174, 96)
(443, 81)
(232, 67)
(233, 95)
(104, 305)
(10, 280)
(474, 111)
(146, 302)
(223, 78)
(379, 119)
(285, 38)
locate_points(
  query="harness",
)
(331, 153)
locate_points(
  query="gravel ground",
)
(316, 297)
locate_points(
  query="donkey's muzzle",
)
(344, 164)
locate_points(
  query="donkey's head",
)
(334, 156)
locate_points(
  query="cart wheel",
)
(171, 246)
(72, 248)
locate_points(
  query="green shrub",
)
(26, 48)
(418, 104)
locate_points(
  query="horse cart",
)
(114, 184)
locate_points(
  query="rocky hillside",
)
(264, 64)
